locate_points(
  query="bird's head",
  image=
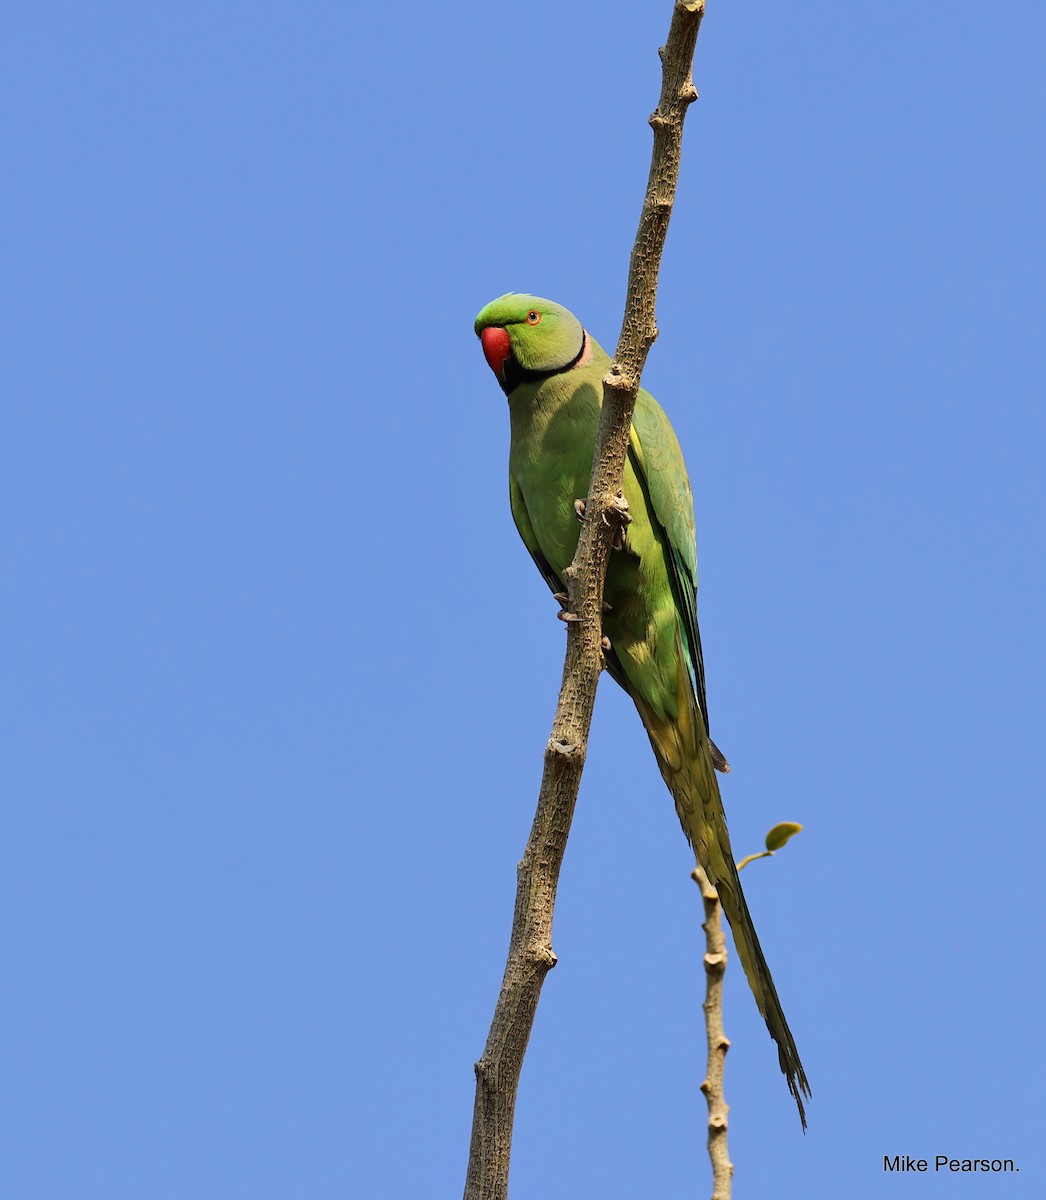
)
(527, 338)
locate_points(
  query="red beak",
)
(497, 346)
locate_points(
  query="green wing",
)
(658, 461)
(526, 532)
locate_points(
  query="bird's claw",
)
(619, 507)
(579, 509)
(563, 614)
(620, 518)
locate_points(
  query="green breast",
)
(550, 457)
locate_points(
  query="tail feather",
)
(681, 749)
(762, 984)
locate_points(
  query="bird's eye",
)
(533, 317)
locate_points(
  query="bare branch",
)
(718, 1042)
(530, 955)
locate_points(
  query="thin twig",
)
(718, 1042)
(751, 858)
(530, 955)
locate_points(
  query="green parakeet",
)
(551, 370)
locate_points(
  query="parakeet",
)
(551, 370)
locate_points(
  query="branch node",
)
(543, 957)
(561, 749)
(615, 378)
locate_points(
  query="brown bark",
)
(718, 1042)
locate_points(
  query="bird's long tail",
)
(681, 748)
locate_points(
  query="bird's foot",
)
(579, 509)
(618, 510)
(620, 518)
(564, 600)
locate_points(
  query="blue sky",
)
(278, 672)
